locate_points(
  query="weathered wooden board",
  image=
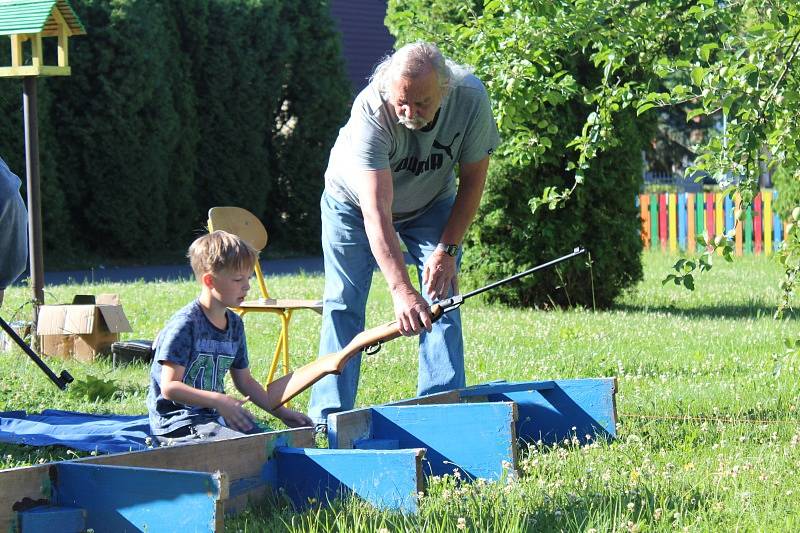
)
(547, 410)
(152, 500)
(388, 479)
(241, 459)
(478, 439)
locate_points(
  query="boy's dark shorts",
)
(206, 432)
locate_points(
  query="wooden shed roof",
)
(34, 16)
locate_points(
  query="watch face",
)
(452, 250)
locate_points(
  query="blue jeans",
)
(349, 265)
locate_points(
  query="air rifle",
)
(287, 387)
(61, 380)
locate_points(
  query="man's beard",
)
(416, 123)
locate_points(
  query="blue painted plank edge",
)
(121, 498)
(388, 479)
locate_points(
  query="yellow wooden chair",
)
(243, 223)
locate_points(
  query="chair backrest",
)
(240, 222)
(246, 225)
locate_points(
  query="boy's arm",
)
(248, 386)
(174, 389)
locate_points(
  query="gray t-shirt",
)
(206, 352)
(421, 162)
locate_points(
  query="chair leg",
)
(275, 358)
(285, 318)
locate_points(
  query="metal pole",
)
(34, 195)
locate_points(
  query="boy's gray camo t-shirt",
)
(421, 162)
(206, 352)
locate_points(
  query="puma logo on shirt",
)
(447, 149)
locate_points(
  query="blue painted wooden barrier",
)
(388, 479)
(546, 410)
(478, 439)
(121, 498)
(554, 410)
(53, 518)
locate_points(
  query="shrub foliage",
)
(538, 84)
(174, 107)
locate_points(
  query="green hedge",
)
(175, 107)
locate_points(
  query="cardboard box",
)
(84, 329)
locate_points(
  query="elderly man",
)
(13, 229)
(391, 172)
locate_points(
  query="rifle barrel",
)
(577, 251)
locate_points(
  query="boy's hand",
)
(292, 418)
(236, 416)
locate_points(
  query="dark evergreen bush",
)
(175, 107)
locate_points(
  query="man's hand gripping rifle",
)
(287, 387)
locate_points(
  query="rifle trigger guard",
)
(373, 348)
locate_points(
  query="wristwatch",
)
(449, 249)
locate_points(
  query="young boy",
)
(198, 346)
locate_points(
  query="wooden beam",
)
(16, 50)
(241, 459)
(478, 439)
(37, 56)
(64, 33)
(388, 479)
(121, 498)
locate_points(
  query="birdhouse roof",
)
(35, 16)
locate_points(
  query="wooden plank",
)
(478, 439)
(690, 223)
(719, 211)
(356, 426)
(748, 229)
(547, 410)
(767, 201)
(710, 226)
(733, 222)
(47, 518)
(653, 222)
(681, 222)
(16, 51)
(777, 228)
(121, 498)
(388, 479)
(699, 218)
(758, 221)
(662, 220)
(573, 407)
(644, 215)
(239, 458)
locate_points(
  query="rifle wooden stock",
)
(287, 387)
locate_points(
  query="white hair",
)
(411, 61)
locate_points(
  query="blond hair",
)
(220, 251)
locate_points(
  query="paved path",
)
(154, 273)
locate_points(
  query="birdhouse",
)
(27, 22)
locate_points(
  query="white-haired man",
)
(392, 172)
(13, 229)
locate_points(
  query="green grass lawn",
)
(709, 435)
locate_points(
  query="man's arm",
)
(375, 195)
(440, 270)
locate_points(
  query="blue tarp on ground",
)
(79, 431)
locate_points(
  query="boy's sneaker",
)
(321, 429)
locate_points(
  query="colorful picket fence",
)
(671, 220)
